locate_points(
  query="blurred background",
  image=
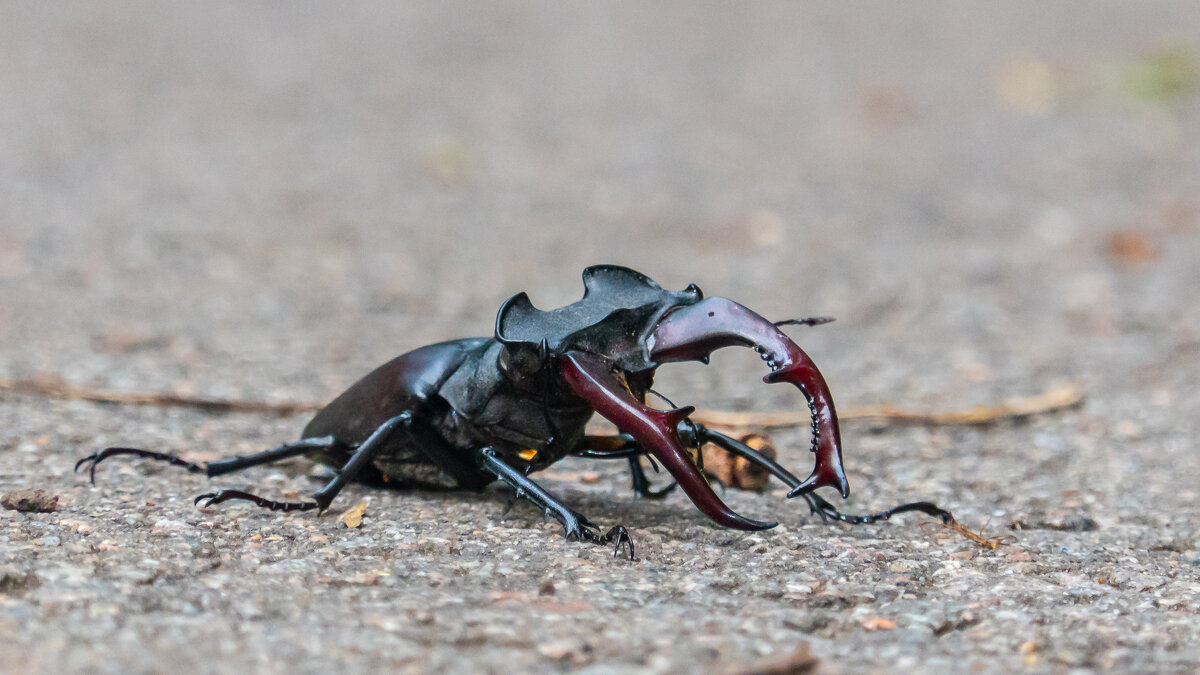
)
(236, 181)
(266, 201)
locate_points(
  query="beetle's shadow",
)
(606, 505)
(611, 501)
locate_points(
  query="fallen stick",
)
(50, 389)
(1053, 400)
(991, 543)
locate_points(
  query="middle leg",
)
(816, 503)
(622, 446)
(321, 499)
(217, 467)
(577, 527)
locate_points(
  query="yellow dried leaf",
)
(878, 623)
(1029, 86)
(353, 517)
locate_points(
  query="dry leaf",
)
(992, 543)
(738, 472)
(1131, 248)
(878, 623)
(353, 516)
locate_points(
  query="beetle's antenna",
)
(810, 321)
(664, 398)
(690, 425)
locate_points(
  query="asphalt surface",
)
(266, 202)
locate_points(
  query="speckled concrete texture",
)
(267, 200)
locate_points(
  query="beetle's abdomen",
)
(405, 383)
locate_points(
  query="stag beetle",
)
(464, 413)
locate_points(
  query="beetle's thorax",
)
(492, 404)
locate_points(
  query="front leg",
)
(576, 527)
(623, 446)
(816, 503)
(322, 498)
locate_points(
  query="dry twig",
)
(49, 388)
(1053, 400)
(1060, 398)
(990, 543)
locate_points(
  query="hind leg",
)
(404, 427)
(322, 498)
(218, 467)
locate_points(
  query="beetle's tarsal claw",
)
(816, 480)
(621, 536)
(95, 458)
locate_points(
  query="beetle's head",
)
(618, 309)
(692, 333)
(635, 325)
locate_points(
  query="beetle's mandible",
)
(464, 413)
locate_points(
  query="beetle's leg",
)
(575, 525)
(641, 484)
(816, 503)
(623, 446)
(215, 468)
(703, 434)
(321, 500)
(229, 495)
(451, 461)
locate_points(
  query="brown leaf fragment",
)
(748, 475)
(878, 623)
(738, 472)
(30, 501)
(1130, 247)
(353, 516)
(990, 543)
(801, 660)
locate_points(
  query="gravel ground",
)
(266, 202)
